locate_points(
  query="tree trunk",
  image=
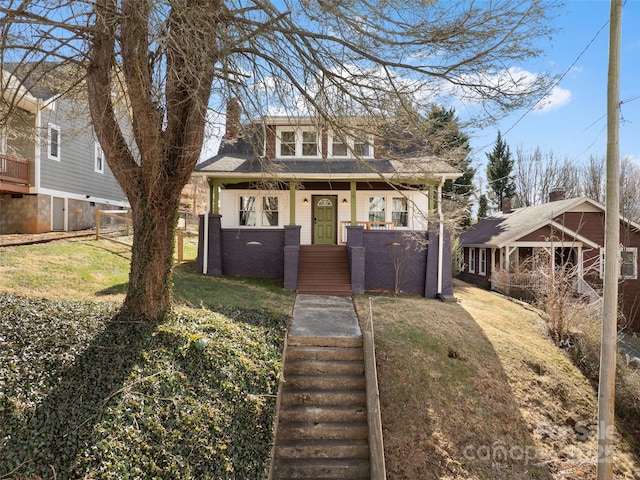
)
(149, 291)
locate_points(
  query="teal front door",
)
(324, 219)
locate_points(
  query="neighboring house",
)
(53, 175)
(283, 187)
(569, 232)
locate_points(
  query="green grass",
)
(99, 271)
(474, 390)
(87, 396)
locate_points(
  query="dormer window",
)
(309, 143)
(297, 142)
(362, 148)
(288, 143)
(354, 148)
(339, 148)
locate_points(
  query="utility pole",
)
(607, 381)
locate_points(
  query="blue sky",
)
(573, 125)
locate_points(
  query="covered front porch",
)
(525, 269)
(256, 230)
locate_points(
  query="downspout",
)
(205, 246)
(440, 238)
(37, 153)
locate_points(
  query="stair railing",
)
(374, 420)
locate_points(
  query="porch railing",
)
(367, 226)
(14, 174)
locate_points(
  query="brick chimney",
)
(233, 119)
(506, 205)
(557, 194)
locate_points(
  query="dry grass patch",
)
(474, 390)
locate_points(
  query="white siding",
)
(230, 205)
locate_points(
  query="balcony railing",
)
(367, 226)
(14, 174)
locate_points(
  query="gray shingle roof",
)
(244, 163)
(502, 228)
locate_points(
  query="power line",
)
(555, 84)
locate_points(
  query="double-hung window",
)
(269, 211)
(349, 146)
(339, 148)
(98, 158)
(53, 142)
(254, 208)
(287, 143)
(298, 142)
(628, 263)
(472, 260)
(482, 266)
(309, 143)
(399, 212)
(362, 148)
(377, 209)
(247, 211)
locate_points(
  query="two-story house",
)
(285, 191)
(53, 175)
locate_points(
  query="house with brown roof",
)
(328, 212)
(562, 232)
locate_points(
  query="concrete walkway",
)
(320, 316)
(322, 423)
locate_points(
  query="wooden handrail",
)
(367, 226)
(14, 174)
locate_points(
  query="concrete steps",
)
(322, 430)
(324, 270)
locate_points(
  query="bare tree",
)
(629, 190)
(593, 178)
(537, 173)
(528, 171)
(160, 64)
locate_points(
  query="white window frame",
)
(406, 201)
(351, 146)
(384, 210)
(472, 260)
(298, 134)
(269, 210)
(258, 209)
(633, 251)
(50, 128)
(254, 210)
(482, 264)
(98, 158)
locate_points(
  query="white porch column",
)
(580, 261)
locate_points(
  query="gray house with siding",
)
(53, 175)
(328, 213)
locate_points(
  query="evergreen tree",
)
(412, 135)
(482, 206)
(499, 171)
(448, 142)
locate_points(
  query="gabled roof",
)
(503, 228)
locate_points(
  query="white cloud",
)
(557, 98)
